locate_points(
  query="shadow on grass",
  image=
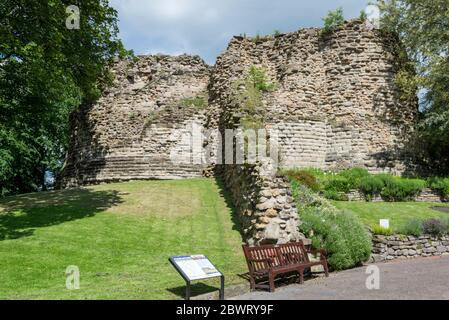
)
(195, 290)
(22, 215)
(228, 199)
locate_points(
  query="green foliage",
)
(104, 227)
(277, 33)
(412, 227)
(427, 71)
(340, 233)
(439, 184)
(260, 38)
(435, 227)
(353, 176)
(333, 20)
(335, 195)
(379, 230)
(304, 178)
(338, 183)
(46, 72)
(363, 16)
(370, 186)
(399, 213)
(199, 102)
(335, 185)
(247, 94)
(257, 76)
(402, 189)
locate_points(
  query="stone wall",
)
(406, 247)
(264, 203)
(426, 195)
(140, 124)
(335, 105)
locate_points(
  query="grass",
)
(397, 212)
(119, 235)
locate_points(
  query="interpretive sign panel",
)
(196, 267)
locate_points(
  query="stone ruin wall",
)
(335, 105)
(140, 123)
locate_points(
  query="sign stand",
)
(196, 267)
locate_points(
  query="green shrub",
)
(402, 189)
(435, 227)
(370, 186)
(259, 79)
(338, 184)
(412, 228)
(340, 233)
(376, 229)
(303, 177)
(199, 102)
(441, 185)
(363, 16)
(353, 176)
(335, 195)
(333, 20)
(306, 198)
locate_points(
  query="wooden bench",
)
(268, 261)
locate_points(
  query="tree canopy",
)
(423, 27)
(48, 68)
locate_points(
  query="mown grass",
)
(119, 235)
(397, 212)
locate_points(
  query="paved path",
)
(421, 278)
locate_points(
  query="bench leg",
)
(271, 281)
(326, 269)
(252, 284)
(301, 276)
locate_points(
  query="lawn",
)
(120, 236)
(397, 212)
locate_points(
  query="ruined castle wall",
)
(141, 124)
(335, 105)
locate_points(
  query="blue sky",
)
(204, 27)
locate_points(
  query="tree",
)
(47, 70)
(423, 27)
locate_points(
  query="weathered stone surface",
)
(140, 124)
(391, 247)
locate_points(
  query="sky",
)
(204, 27)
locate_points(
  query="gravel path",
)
(421, 278)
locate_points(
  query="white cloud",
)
(204, 27)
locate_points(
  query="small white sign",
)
(384, 223)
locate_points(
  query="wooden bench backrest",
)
(293, 252)
(279, 255)
(261, 252)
